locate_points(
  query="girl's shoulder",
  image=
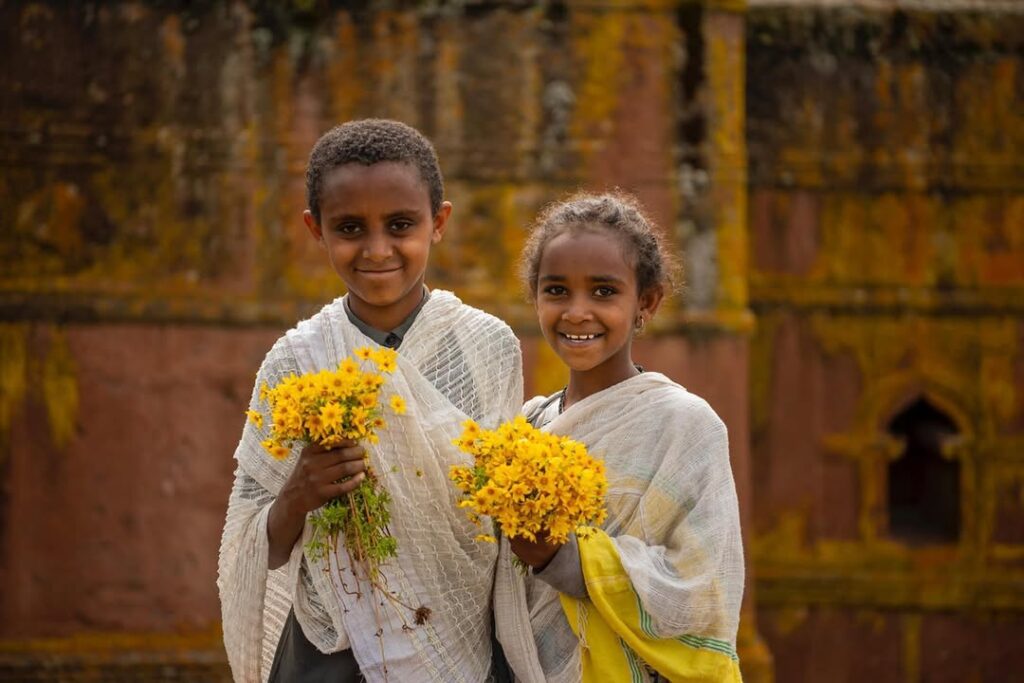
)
(539, 410)
(680, 408)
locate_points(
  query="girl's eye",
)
(604, 291)
(554, 290)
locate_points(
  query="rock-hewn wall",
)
(887, 248)
(150, 205)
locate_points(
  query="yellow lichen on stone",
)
(60, 390)
(549, 372)
(13, 375)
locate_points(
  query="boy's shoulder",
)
(303, 334)
(453, 311)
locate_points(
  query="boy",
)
(375, 196)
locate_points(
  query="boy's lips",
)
(377, 272)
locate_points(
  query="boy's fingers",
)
(339, 455)
(349, 485)
(352, 452)
(348, 468)
(314, 448)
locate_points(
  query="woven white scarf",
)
(672, 514)
(454, 362)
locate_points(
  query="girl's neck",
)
(587, 382)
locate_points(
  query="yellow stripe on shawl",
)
(614, 630)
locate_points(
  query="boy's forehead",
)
(382, 182)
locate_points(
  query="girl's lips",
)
(579, 339)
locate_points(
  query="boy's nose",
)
(377, 248)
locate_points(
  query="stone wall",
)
(150, 203)
(887, 247)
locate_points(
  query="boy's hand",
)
(322, 474)
(537, 553)
(319, 475)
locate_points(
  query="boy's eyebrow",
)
(552, 278)
(390, 214)
(402, 212)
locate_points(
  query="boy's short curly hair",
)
(616, 212)
(368, 142)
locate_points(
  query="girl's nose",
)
(576, 313)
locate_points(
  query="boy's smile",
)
(587, 304)
(377, 227)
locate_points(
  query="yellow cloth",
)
(615, 633)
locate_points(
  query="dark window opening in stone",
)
(924, 487)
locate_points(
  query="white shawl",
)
(454, 362)
(672, 515)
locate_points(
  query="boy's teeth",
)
(580, 337)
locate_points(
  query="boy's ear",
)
(444, 212)
(650, 299)
(312, 225)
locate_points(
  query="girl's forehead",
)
(587, 248)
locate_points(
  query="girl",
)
(655, 595)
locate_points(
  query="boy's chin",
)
(383, 297)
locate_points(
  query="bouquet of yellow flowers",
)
(530, 483)
(328, 407)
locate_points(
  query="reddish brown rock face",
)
(886, 277)
(153, 249)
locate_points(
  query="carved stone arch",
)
(944, 398)
(870, 444)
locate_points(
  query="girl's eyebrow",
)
(552, 278)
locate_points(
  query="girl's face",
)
(588, 303)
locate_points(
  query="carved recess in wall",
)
(966, 369)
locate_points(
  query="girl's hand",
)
(319, 475)
(537, 553)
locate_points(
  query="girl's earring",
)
(638, 324)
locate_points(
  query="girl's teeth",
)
(580, 337)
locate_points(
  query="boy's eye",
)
(401, 225)
(348, 228)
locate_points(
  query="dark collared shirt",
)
(392, 339)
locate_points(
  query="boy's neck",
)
(386, 318)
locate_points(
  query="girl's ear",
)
(650, 299)
(444, 212)
(314, 228)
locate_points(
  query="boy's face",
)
(377, 227)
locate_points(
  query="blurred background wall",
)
(845, 183)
